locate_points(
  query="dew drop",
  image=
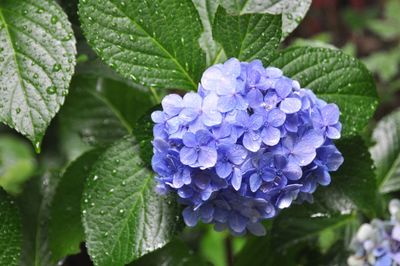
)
(56, 67)
(18, 110)
(51, 90)
(95, 177)
(54, 20)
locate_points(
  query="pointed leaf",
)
(37, 59)
(247, 37)
(153, 43)
(123, 217)
(65, 226)
(334, 77)
(98, 112)
(292, 12)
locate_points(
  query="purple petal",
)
(256, 229)
(189, 114)
(270, 135)
(226, 103)
(172, 104)
(190, 217)
(189, 140)
(273, 72)
(207, 157)
(283, 87)
(284, 201)
(192, 100)
(223, 169)
(333, 133)
(255, 121)
(252, 141)
(255, 182)
(185, 192)
(330, 114)
(232, 67)
(188, 156)
(236, 179)
(276, 117)
(292, 171)
(237, 223)
(255, 98)
(290, 105)
(158, 117)
(312, 138)
(204, 137)
(174, 124)
(237, 154)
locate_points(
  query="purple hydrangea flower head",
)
(378, 243)
(249, 143)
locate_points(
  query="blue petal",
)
(256, 229)
(330, 114)
(158, 117)
(252, 141)
(255, 182)
(236, 179)
(190, 217)
(283, 87)
(290, 105)
(237, 223)
(189, 140)
(226, 103)
(237, 154)
(172, 104)
(207, 157)
(188, 156)
(223, 169)
(276, 117)
(273, 72)
(271, 135)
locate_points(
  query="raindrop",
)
(54, 20)
(95, 177)
(121, 211)
(18, 110)
(56, 67)
(51, 90)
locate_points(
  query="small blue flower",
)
(199, 150)
(246, 145)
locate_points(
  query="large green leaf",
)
(123, 217)
(37, 59)
(17, 163)
(335, 77)
(10, 233)
(207, 10)
(386, 152)
(353, 185)
(98, 112)
(34, 204)
(65, 226)
(292, 11)
(154, 43)
(294, 229)
(247, 37)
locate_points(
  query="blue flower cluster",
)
(246, 145)
(378, 243)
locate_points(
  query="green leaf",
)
(334, 77)
(98, 112)
(175, 253)
(10, 234)
(153, 43)
(207, 10)
(37, 59)
(65, 227)
(247, 37)
(123, 217)
(353, 185)
(34, 204)
(386, 152)
(293, 229)
(17, 163)
(292, 12)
